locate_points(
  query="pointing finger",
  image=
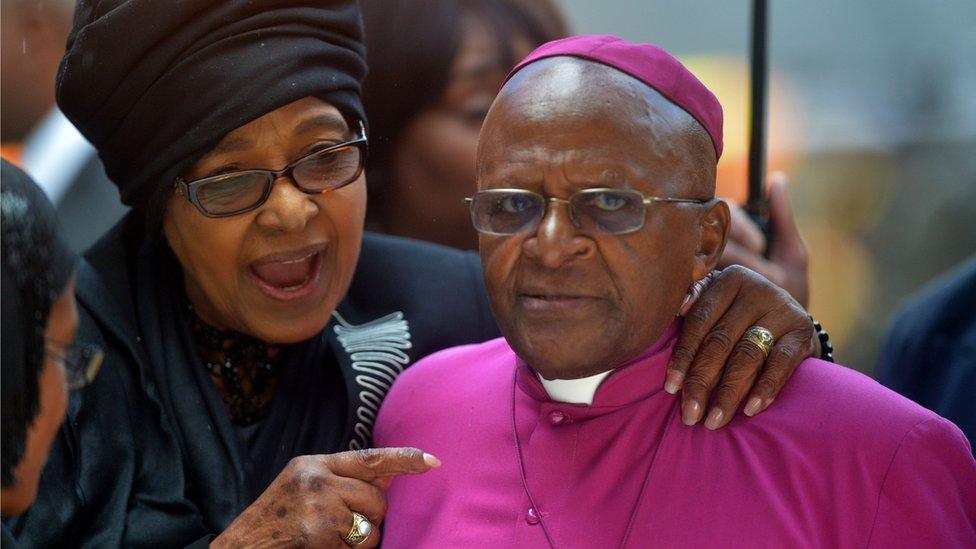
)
(373, 463)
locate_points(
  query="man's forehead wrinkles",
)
(532, 139)
(541, 156)
(565, 167)
(648, 126)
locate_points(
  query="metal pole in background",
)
(756, 205)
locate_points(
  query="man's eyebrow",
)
(332, 121)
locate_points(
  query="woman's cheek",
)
(345, 212)
(357, 202)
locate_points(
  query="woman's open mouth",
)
(289, 275)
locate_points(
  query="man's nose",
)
(288, 209)
(557, 240)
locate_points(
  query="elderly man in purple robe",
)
(596, 177)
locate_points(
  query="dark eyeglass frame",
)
(81, 362)
(190, 189)
(574, 216)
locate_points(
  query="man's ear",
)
(714, 232)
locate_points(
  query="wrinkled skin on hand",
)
(310, 503)
(711, 363)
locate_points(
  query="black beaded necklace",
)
(244, 369)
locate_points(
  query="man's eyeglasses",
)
(239, 192)
(81, 362)
(593, 211)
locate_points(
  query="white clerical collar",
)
(574, 391)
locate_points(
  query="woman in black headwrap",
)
(39, 358)
(240, 347)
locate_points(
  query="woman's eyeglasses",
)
(81, 362)
(239, 192)
(594, 211)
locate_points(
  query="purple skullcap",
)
(648, 63)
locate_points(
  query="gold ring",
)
(760, 337)
(361, 529)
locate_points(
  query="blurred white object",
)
(54, 153)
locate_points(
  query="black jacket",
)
(929, 352)
(115, 475)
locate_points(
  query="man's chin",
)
(555, 356)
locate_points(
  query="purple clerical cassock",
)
(838, 461)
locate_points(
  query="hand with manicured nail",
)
(715, 369)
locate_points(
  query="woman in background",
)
(434, 68)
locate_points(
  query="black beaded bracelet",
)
(826, 349)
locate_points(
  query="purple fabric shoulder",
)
(848, 403)
(438, 384)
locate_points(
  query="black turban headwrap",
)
(35, 269)
(155, 84)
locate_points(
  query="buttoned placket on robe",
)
(585, 487)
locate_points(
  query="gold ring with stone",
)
(760, 337)
(361, 529)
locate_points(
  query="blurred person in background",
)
(35, 134)
(435, 66)
(929, 352)
(40, 360)
(251, 328)
(784, 259)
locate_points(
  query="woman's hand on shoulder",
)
(715, 368)
(311, 502)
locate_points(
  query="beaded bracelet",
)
(826, 349)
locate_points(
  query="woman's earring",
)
(694, 292)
